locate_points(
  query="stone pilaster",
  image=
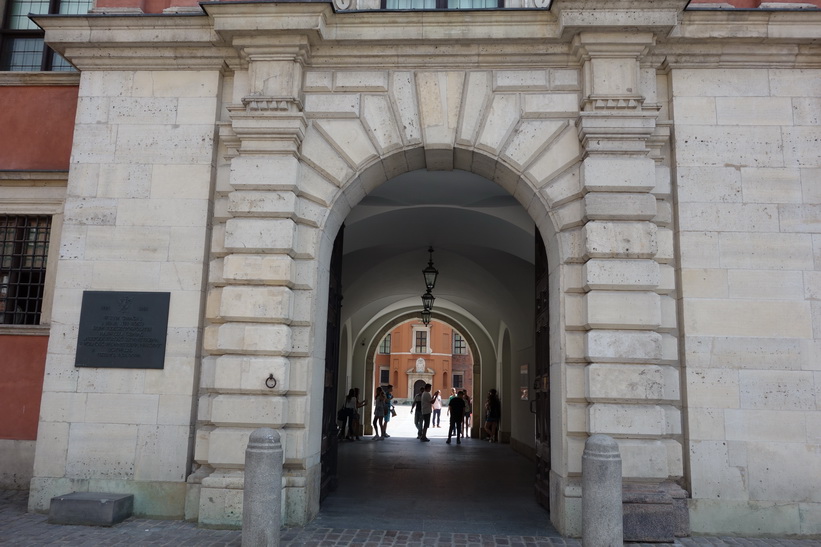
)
(257, 312)
(621, 308)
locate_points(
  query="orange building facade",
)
(413, 354)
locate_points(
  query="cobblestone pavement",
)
(17, 527)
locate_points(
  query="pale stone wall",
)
(570, 118)
(136, 219)
(18, 461)
(748, 166)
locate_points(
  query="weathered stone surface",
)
(620, 274)
(91, 508)
(608, 239)
(612, 346)
(618, 174)
(648, 515)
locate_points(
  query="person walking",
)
(468, 413)
(417, 406)
(426, 402)
(348, 407)
(493, 415)
(436, 420)
(379, 414)
(456, 410)
(352, 406)
(389, 410)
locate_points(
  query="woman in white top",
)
(437, 409)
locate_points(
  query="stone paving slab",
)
(20, 528)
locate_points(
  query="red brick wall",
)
(21, 383)
(38, 124)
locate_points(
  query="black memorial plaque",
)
(122, 329)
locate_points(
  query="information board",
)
(123, 329)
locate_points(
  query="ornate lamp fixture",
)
(430, 272)
(427, 301)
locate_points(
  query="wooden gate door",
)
(329, 408)
(541, 385)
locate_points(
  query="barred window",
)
(385, 345)
(23, 251)
(459, 347)
(459, 380)
(22, 46)
(421, 341)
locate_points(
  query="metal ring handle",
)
(271, 381)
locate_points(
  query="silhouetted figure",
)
(493, 415)
(379, 414)
(456, 410)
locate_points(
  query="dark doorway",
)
(328, 459)
(540, 400)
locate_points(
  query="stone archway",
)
(585, 177)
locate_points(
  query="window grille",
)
(458, 380)
(23, 252)
(385, 345)
(459, 346)
(421, 341)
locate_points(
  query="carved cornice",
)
(259, 103)
(27, 177)
(261, 131)
(216, 38)
(50, 79)
(658, 17)
(137, 42)
(616, 132)
(659, 139)
(613, 103)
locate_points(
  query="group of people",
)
(382, 412)
(349, 415)
(428, 412)
(427, 407)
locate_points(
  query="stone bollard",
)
(262, 493)
(601, 493)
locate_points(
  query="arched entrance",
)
(483, 241)
(452, 124)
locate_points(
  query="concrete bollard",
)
(262, 493)
(601, 493)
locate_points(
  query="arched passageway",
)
(484, 250)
